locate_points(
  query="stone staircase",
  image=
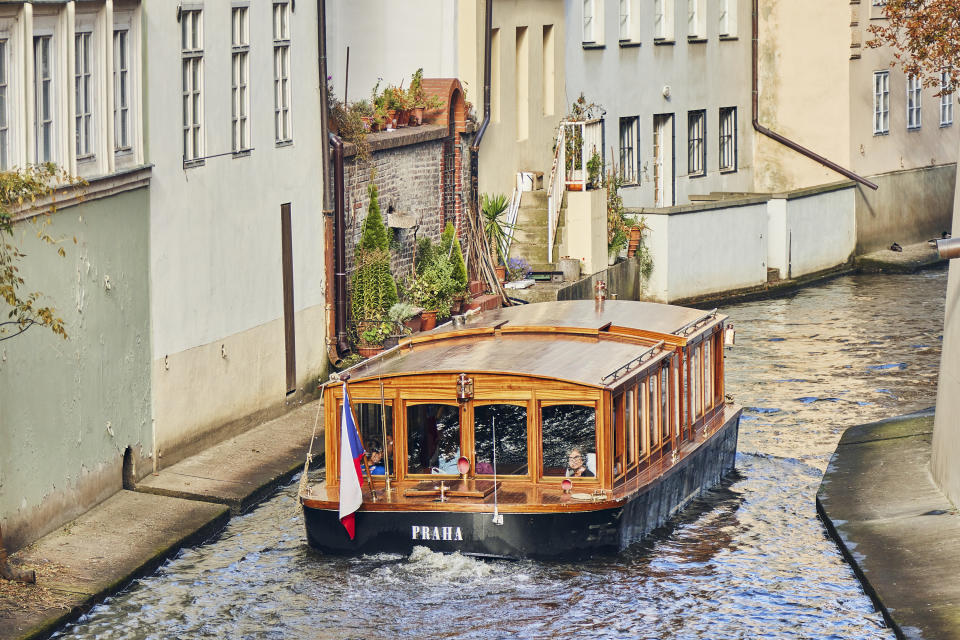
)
(530, 235)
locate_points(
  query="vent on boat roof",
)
(605, 327)
(632, 364)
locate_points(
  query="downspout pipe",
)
(482, 129)
(340, 257)
(773, 134)
(330, 226)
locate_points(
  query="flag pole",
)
(366, 465)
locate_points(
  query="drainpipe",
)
(340, 257)
(332, 226)
(776, 136)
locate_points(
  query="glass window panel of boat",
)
(618, 435)
(509, 421)
(708, 372)
(695, 386)
(372, 431)
(675, 370)
(569, 430)
(653, 404)
(630, 417)
(665, 402)
(433, 438)
(643, 413)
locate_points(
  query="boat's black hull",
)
(521, 535)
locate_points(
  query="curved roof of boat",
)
(531, 340)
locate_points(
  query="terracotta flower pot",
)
(403, 117)
(369, 352)
(414, 323)
(429, 320)
(367, 122)
(391, 118)
(416, 116)
(457, 305)
(501, 272)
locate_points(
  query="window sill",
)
(881, 133)
(944, 125)
(696, 40)
(915, 128)
(123, 151)
(697, 175)
(627, 44)
(242, 153)
(594, 45)
(87, 158)
(190, 164)
(734, 170)
(728, 38)
(663, 41)
(284, 143)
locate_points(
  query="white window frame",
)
(946, 100)
(240, 78)
(122, 132)
(191, 52)
(696, 25)
(914, 103)
(5, 147)
(630, 149)
(881, 103)
(728, 139)
(626, 21)
(696, 143)
(84, 143)
(727, 23)
(663, 20)
(281, 72)
(45, 124)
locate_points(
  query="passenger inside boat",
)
(373, 423)
(375, 458)
(433, 438)
(577, 465)
(567, 428)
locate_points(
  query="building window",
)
(43, 92)
(4, 124)
(913, 102)
(84, 97)
(626, 33)
(281, 71)
(241, 79)
(662, 19)
(728, 18)
(881, 102)
(946, 100)
(696, 149)
(192, 60)
(695, 22)
(728, 139)
(121, 90)
(629, 148)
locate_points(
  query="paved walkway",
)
(133, 532)
(893, 525)
(913, 257)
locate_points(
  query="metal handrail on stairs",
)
(512, 212)
(555, 189)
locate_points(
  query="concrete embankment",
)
(894, 526)
(133, 532)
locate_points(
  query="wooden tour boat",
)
(533, 431)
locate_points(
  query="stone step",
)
(486, 302)
(534, 198)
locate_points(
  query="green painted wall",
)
(69, 409)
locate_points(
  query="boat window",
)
(708, 372)
(653, 406)
(568, 431)
(433, 438)
(675, 369)
(685, 403)
(664, 403)
(630, 416)
(696, 377)
(372, 433)
(510, 423)
(618, 436)
(643, 409)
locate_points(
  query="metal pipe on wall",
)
(773, 134)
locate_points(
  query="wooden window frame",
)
(597, 424)
(470, 425)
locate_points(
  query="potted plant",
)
(406, 315)
(594, 165)
(450, 245)
(517, 269)
(496, 228)
(374, 290)
(418, 101)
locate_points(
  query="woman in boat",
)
(375, 458)
(577, 465)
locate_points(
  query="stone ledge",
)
(405, 136)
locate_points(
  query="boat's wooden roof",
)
(531, 340)
(647, 316)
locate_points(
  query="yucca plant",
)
(495, 226)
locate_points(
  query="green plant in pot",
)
(374, 290)
(405, 317)
(496, 228)
(450, 245)
(594, 167)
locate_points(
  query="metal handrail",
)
(555, 189)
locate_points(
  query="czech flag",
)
(351, 496)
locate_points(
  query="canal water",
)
(749, 560)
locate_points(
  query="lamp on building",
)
(464, 388)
